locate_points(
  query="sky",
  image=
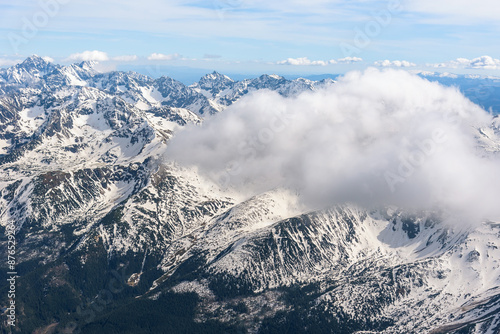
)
(255, 37)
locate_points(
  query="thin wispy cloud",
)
(394, 63)
(260, 31)
(125, 58)
(304, 61)
(456, 12)
(94, 55)
(5, 62)
(350, 60)
(161, 56)
(211, 56)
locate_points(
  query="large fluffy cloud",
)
(378, 137)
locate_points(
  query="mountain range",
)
(112, 238)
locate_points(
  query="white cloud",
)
(9, 62)
(374, 138)
(125, 58)
(483, 62)
(395, 63)
(304, 61)
(456, 11)
(161, 56)
(350, 60)
(48, 59)
(88, 56)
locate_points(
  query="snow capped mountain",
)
(28, 72)
(83, 178)
(214, 83)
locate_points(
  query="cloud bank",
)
(374, 138)
(483, 62)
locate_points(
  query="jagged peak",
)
(36, 62)
(168, 80)
(271, 76)
(216, 76)
(88, 65)
(34, 57)
(166, 77)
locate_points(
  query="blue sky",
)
(251, 37)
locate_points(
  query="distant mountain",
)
(112, 239)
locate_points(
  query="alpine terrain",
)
(113, 238)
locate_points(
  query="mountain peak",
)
(88, 65)
(35, 62)
(169, 80)
(216, 76)
(271, 76)
(214, 82)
